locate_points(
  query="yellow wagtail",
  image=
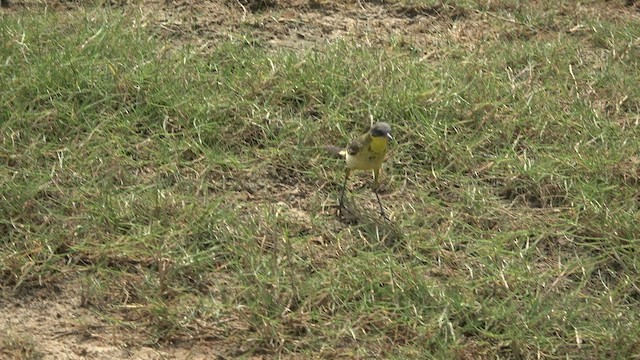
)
(366, 152)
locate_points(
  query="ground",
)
(68, 327)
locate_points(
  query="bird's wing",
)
(355, 146)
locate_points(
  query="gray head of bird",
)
(381, 129)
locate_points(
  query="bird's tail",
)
(336, 151)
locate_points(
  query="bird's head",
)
(381, 129)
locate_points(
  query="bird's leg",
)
(344, 185)
(376, 172)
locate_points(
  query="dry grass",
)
(161, 186)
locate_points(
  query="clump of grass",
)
(19, 347)
(186, 193)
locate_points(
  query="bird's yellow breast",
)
(370, 157)
(379, 144)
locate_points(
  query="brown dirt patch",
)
(299, 24)
(50, 323)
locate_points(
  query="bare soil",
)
(51, 322)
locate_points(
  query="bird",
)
(366, 152)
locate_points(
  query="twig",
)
(575, 82)
(244, 10)
(504, 19)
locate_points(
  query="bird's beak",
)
(389, 137)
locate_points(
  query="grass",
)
(184, 196)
